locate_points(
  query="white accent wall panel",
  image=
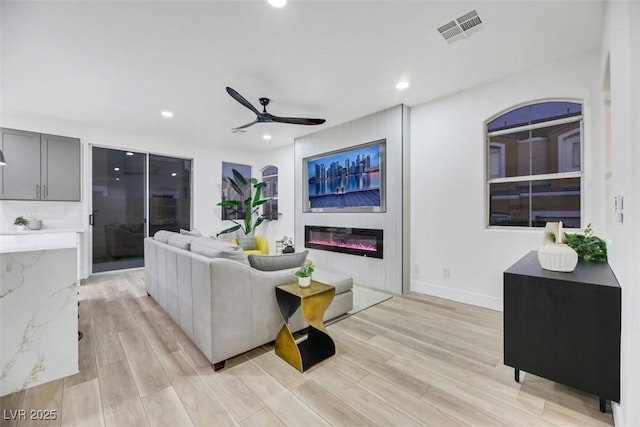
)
(388, 273)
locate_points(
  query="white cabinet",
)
(39, 167)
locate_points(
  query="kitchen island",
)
(38, 307)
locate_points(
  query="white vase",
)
(21, 227)
(35, 224)
(304, 282)
(558, 257)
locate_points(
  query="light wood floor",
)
(412, 360)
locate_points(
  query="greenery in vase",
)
(305, 271)
(249, 207)
(20, 221)
(588, 246)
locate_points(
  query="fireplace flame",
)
(345, 244)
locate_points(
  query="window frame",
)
(538, 177)
(271, 216)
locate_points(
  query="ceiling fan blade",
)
(245, 126)
(235, 95)
(298, 120)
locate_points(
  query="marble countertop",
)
(38, 240)
(42, 231)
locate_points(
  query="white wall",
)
(282, 158)
(448, 189)
(207, 163)
(621, 43)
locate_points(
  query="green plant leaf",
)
(239, 177)
(229, 230)
(588, 246)
(227, 203)
(257, 196)
(236, 187)
(259, 221)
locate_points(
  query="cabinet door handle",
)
(91, 219)
(37, 191)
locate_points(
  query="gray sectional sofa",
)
(224, 305)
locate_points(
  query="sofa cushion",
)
(162, 236)
(213, 248)
(342, 282)
(246, 241)
(192, 232)
(277, 262)
(181, 241)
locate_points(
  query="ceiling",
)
(119, 64)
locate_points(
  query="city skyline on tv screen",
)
(350, 178)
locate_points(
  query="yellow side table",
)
(314, 301)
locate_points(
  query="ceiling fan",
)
(264, 117)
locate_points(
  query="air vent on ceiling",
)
(462, 27)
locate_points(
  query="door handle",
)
(91, 220)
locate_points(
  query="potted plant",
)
(20, 223)
(248, 207)
(588, 246)
(304, 275)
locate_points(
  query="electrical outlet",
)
(618, 208)
(445, 273)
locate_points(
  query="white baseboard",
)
(466, 297)
(617, 414)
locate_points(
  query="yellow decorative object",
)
(262, 246)
(313, 301)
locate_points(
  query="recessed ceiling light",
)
(129, 153)
(402, 85)
(277, 3)
(174, 173)
(116, 169)
(117, 179)
(167, 114)
(266, 137)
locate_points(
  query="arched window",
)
(270, 192)
(534, 165)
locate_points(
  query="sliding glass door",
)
(169, 194)
(118, 209)
(128, 188)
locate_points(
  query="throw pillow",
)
(181, 241)
(246, 241)
(213, 248)
(162, 236)
(192, 232)
(277, 262)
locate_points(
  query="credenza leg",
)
(516, 374)
(218, 366)
(603, 405)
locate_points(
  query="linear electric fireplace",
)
(356, 241)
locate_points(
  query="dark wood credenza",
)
(564, 326)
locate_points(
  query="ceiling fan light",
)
(402, 85)
(277, 3)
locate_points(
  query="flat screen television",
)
(346, 180)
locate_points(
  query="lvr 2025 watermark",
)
(30, 414)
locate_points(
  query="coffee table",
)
(318, 345)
